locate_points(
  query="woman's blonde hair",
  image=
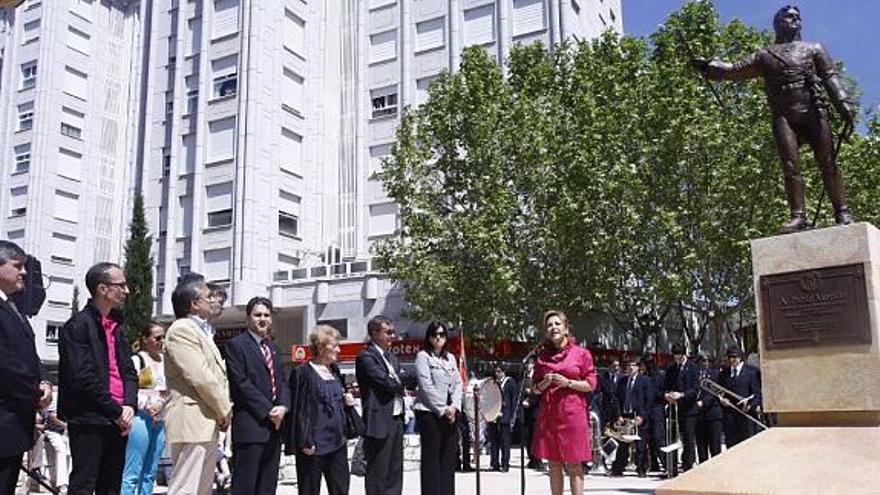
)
(553, 312)
(322, 336)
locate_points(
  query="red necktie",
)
(267, 357)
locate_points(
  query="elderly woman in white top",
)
(436, 409)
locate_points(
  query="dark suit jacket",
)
(251, 388)
(711, 409)
(20, 375)
(508, 401)
(83, 374)
(685, 381)
(748, 382)
(378, 390)
(639, 396)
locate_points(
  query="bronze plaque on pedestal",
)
(825, 306)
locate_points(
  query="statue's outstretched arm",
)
(746, 68)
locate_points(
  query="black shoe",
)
(505, 469)
(643, 474)
(615, 474)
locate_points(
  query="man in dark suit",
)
(609, 408)
(634, 396)
(500, 429)
(260, 398)
(682, 382)
(709, 415)
(97, 391)
(23, 385)
(745, 381)
(382, 382)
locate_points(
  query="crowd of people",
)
(180, 393)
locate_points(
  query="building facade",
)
(69, 69)
(252, 129)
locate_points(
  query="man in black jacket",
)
(501, 428)
(634, 396)
(709, 415)
(23, 385)
(260, 399)
(97, 384)
(745, 381)
(382, 382)
(682, 382)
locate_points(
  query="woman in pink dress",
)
(564, 373)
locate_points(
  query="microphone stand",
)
(477, 448)
(528, 364)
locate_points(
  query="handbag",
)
(354, 424)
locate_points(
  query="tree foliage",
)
(138, 268)
(600, 177)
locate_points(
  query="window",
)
(225, 72)
(384, 101)
(30, 32)
(71, 131)
(192, 101)
(383, 46)
(22, 158)
(225, 86)
(291, 152)
(221, 139)
(222, 218)
(66, 206)
(78, 41)
(52, 332)
(288, 224)
(479, 25)
(292, 92)
(217, 264)
(69, 163)
(18, 201)
(430, 34)
(218, 203)
(26, 116)
(63, 248)
(29, 75)
(225, 18)
(166, 162)
(75, 83)
(341, 326)
(294, 34)
(528, 16)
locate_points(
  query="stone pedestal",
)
(818, 303)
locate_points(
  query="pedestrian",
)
(382, 388)
(198, 406)
(564, 374)
(437, 402)
(98, 385)
(317, 433)
(147, 437)
(260, 400)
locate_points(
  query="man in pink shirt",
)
(97, 384)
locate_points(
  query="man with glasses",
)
(97, 384)
(382, 387)
(199, 406)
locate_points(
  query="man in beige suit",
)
(199, 405)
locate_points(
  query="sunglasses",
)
(439, 335)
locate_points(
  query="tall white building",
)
(253, 129)
(68, 128)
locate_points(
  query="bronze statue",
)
(794, 72)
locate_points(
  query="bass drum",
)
(490, 399)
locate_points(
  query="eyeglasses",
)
(391, 332)
(121, 285)
(158, 338)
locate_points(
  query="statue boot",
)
(834, 187)
(794, 191)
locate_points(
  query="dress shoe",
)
(642, 474)
(615, 474)
(504, 469)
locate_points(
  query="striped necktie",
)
(270, 363)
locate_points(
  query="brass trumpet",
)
(729, 398)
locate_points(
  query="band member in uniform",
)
(633, 394)
(682, 382)
(501, 429)
(745, 381)
(656, 411)
(709, 415)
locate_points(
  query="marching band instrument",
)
(730, 399)
(672, 447)
(490, 400)
(599, 454)
(624, 430)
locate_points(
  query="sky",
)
(847, 28)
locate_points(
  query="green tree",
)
(74, 303)
(601, 177)
(138, 268)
